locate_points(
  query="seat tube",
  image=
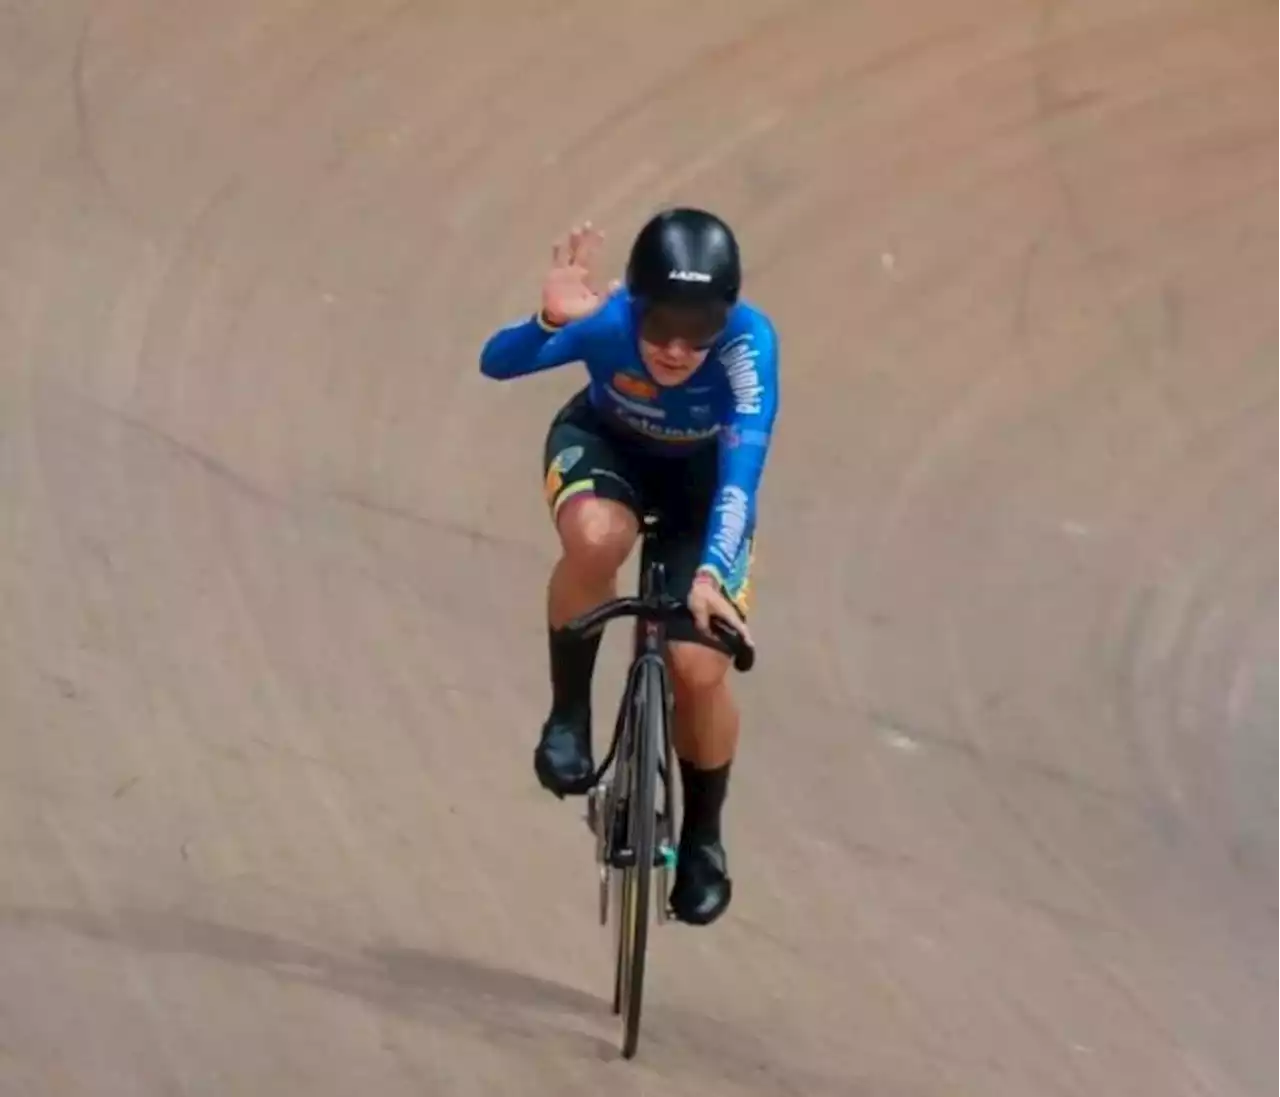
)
(650, 635)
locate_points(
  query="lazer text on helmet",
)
(689, 276)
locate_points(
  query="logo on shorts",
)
(560, 464)
(635, 387)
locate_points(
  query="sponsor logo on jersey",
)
(635, 387)
(738, 583)
(634, 406)
(663, 433)
(739, 361)
(731, 508)
(734, 436)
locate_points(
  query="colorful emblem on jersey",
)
(635, 387)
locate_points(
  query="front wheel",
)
(650, 713)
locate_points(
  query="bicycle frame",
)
(651, 644)
(649, 640)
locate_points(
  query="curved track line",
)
(273, 556)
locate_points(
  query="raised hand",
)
(570, 291)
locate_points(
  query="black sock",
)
(573, 660)
(704, 796)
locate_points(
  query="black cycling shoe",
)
(562, 759)
(702, 889)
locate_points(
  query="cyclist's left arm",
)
(752, 368)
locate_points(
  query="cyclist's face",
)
(671, 363)
(674, 342)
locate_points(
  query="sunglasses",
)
(699, 327)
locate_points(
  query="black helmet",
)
(687, 258)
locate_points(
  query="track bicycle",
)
(635, 833)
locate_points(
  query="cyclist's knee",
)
(696, 670)
(597, 535)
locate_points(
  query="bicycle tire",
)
(620, 883)
(642, 828)
(621, 969)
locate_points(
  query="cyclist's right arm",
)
(530, 346)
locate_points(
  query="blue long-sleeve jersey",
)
(730, 401)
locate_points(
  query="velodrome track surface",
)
(272, 553)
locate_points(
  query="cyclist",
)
(677, 415)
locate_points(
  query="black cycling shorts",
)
(585, 455)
